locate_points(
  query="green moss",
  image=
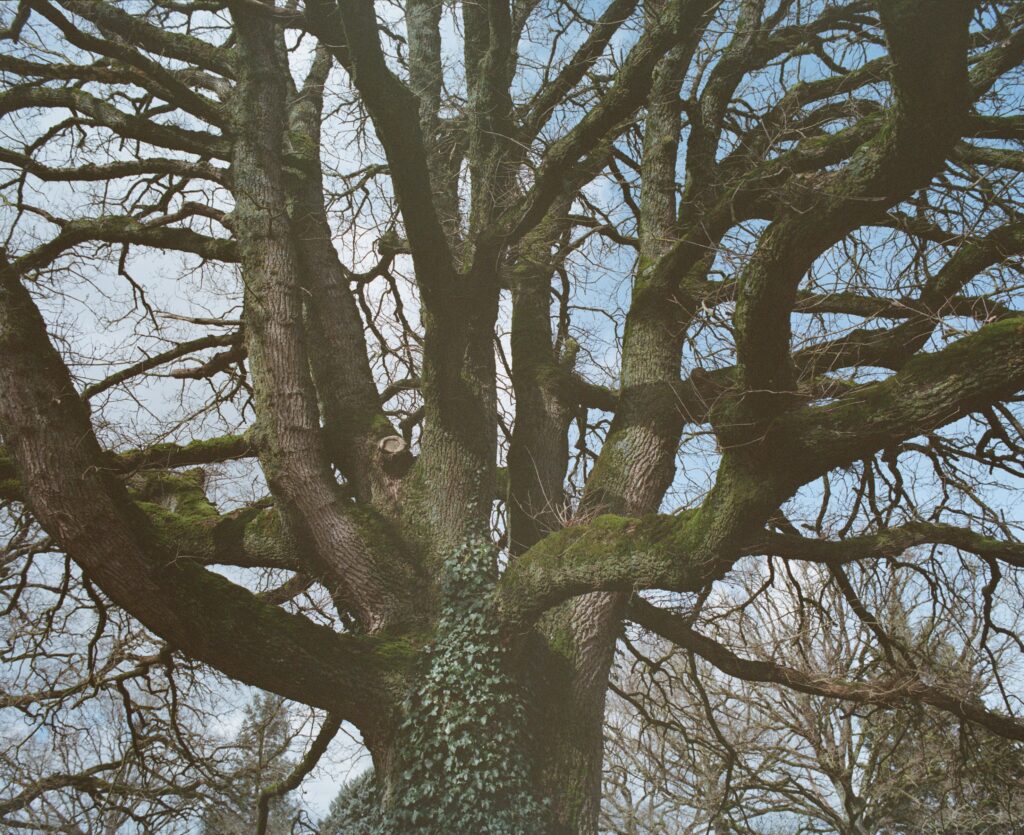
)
(560, 638)
(380, 426)
(10, 489)
(929, 391)
(204, 451)
(611, 553)
(180, 535)
(180, 492)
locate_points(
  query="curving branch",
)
(930, 391)
(920, 129)
(69, 489)
(616, 553)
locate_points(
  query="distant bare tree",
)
(259, 758)
(691, 749)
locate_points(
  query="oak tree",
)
(513, 312)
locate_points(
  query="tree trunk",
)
(472, 755)
(489, 739)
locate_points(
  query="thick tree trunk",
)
(484, 753)
(480, 720)
(472, 751)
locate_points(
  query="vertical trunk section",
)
(636, 465)
(566, 709)
(462, 761)
(447, 498)
(375, 585)
(354, 422)
(539, 452)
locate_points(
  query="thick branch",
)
(930, 391)
(372, 577)
(70, 491)
(155, 39)
(682, 553)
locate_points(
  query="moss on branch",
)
(609, 553)
(931, 391)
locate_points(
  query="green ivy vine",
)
(463, 764)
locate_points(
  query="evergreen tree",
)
(259, 758)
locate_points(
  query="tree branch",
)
(71, 492)
(888, 692)
(930, 391)
(889, 542)
(328, 731)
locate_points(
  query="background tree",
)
(384, 357)
(690, 748)
(260, 760)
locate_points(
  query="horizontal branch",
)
(190, 527)
(930, 391)
(158, 456)
(609, 553)
(193, 454)
(124, 230)
(219, 362)
(889, 543)
(889, 692)
(93, 172)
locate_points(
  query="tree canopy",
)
(393, 358)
